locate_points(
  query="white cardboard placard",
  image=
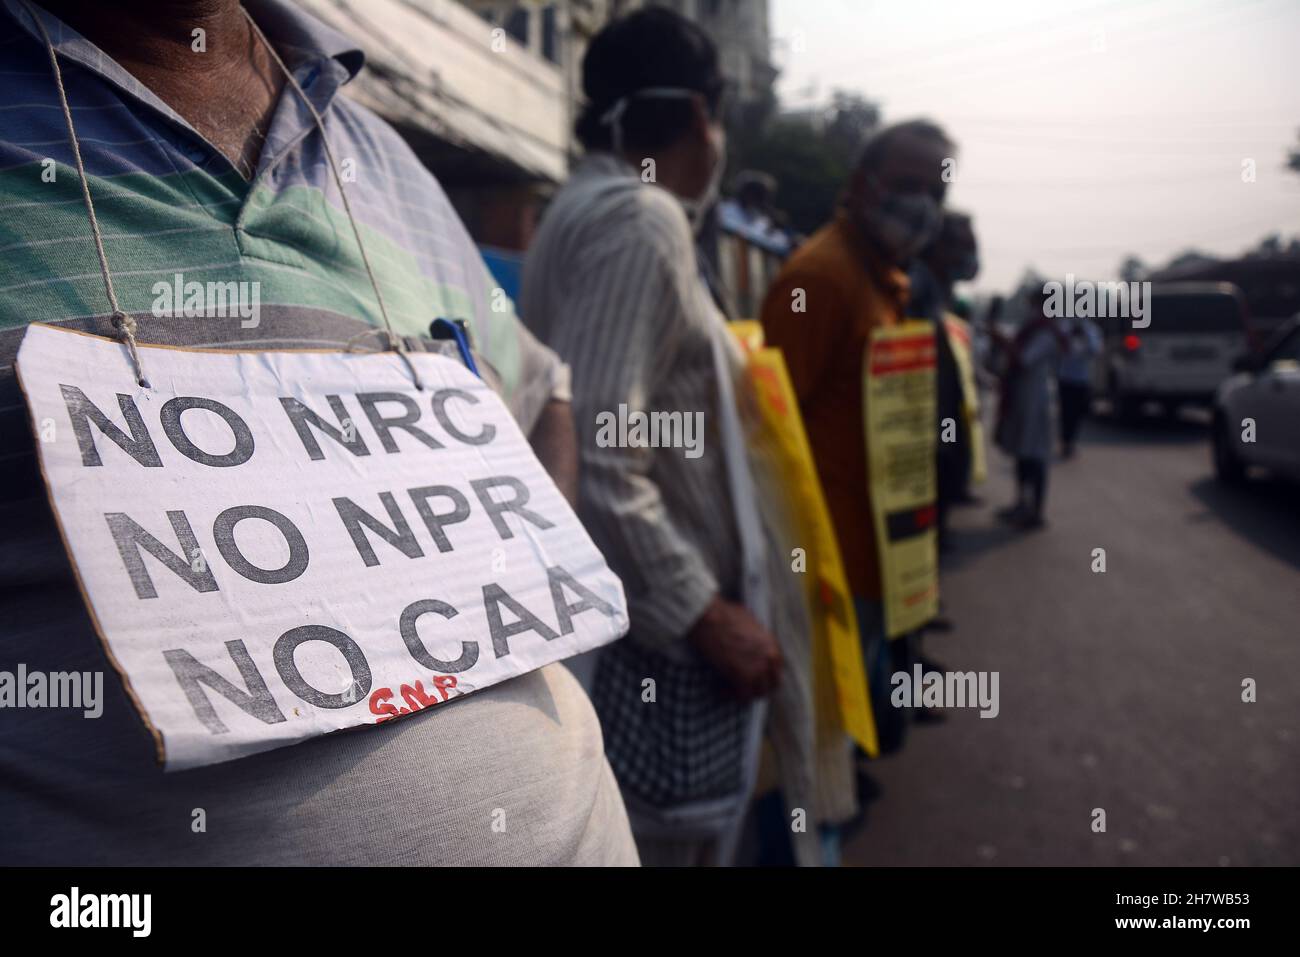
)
(276, 545)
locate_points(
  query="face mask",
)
(966, 267)
(904, 223)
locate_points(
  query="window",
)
(1194, 313)
(550, 34)
(517, 24)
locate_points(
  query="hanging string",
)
(124, 324)
(394, 340)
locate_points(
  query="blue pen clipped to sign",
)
(455, 329)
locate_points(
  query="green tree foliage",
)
(809, 157)
(851, 120)
(809, 176)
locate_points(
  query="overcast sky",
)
(1087, 129)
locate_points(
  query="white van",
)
(1257, 412)
(1196, 331)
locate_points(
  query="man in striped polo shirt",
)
(205, 167)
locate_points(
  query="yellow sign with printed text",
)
(898, 386)
(959, 335)
(837, 649)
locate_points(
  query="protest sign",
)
(276, 545)
(963, 353)
(899, 397)
(842, 698)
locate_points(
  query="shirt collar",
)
(304, 37)
(321, 59)
(293, 30)
(299, 37)
(604, 163)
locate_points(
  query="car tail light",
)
(1131, 343)
(1253, 340)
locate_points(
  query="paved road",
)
(1119, 690)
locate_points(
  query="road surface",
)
(1121, 690)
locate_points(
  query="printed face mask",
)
(904, 222)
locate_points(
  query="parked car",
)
(1257, 410)
(1196, 329)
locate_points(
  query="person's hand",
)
(742, 651)
(555, 441)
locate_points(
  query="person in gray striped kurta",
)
(612, 284)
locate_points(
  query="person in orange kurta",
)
(846, 280)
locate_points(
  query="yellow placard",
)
(959, 335)
(898, 385)
(837, 649)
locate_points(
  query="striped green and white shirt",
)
(422, 790)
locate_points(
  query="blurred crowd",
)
(721, 765)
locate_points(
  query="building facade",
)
(487, 91)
